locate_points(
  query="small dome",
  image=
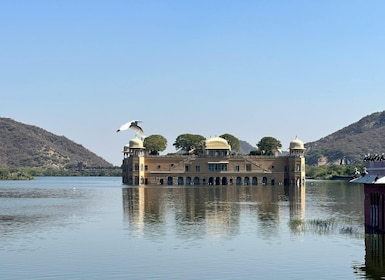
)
(297, 144)
(135, 144)
(217, 143)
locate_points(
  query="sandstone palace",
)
(215, 166)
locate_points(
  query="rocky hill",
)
(349, 144)
(23, 145)
(245, 147)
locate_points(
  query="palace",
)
(216, 166)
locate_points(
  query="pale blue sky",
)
(248, 68)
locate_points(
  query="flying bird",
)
(133, 125)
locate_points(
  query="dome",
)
(135, 144)
(297, 144)
(217, 143)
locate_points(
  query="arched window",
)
(224, 181)
(180, 181)
(254, 181)
(196, 181)
(169, 181)
(264, 181)
(217, 181)
(188, 181)
(239, 181)
(246, 181)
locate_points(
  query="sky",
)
(252, 69)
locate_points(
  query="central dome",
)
(217, 143)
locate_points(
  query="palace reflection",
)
(209, 210)
(297, 198)
(374, 267)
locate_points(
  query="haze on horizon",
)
(248, 68)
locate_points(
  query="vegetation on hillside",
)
(15, 174)
(24, 145)
(326, 172)
(349, 145)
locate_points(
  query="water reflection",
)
(55, 227)
(209, 210)
(297, 197)
(374, 267)
(226, 211)
(31, 210)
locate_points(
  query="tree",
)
(189, 142)
(155, 144)
(269, 145)
(233, 141)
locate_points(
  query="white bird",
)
(133, 125)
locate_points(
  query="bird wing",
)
(131, 124)
(137, 129)
(124, 126)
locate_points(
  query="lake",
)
(97, 228)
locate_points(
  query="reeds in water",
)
(323, 226)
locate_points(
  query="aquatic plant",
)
(324, 226)
(296, 225)
(348, 230)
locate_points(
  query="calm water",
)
(96, 228)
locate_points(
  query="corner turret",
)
(297, 148)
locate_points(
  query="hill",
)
(349, 144)
(23, 145)
(245, 147)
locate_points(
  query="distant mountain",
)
(245, 147)
(23, 145)
(349, 144)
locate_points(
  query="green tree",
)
(233, 141)
(269, 145)
(189, 142)
(155, 144)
